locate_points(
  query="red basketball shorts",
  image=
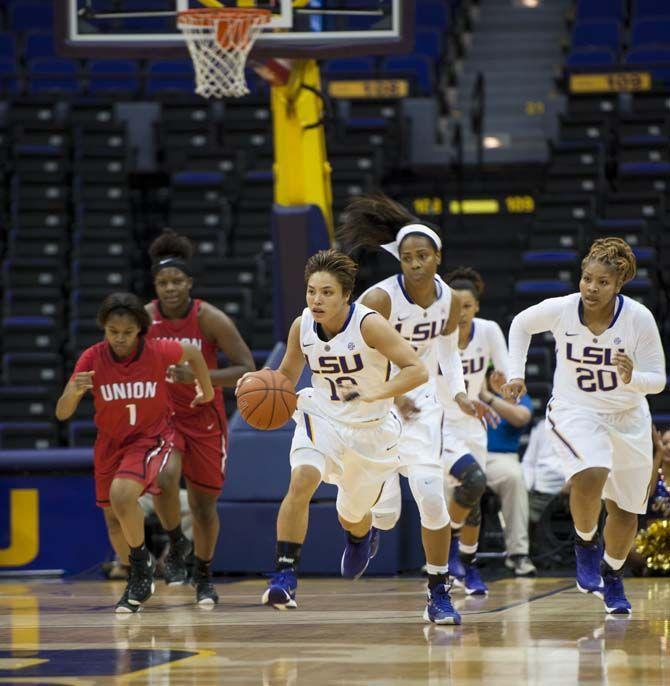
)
(201, 440)
(141, 461)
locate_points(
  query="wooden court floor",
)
(364, 633)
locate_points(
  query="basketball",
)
(266, 399)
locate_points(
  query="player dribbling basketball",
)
(347, 432)
(200, 433)
(609, 356)
(126, 375)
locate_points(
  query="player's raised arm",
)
(379, 334)
(536, 319)
(197, 363)
(72, 394)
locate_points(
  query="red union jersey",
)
(186, 330)
(130, 395)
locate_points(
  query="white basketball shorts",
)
(620, 442)
(357, 458)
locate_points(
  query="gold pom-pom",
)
(653, 543)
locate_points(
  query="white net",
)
(219, 43)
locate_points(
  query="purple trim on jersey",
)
(315, 326)
(352, 307)
(472, 334)
(563, 440)
(308, 426)
(438, 290)
(388, 370)
(617, 311)
(404, 292)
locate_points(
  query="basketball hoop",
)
(219, 41)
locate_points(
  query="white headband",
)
(394, 248)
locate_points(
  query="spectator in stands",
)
(651, 549)
(504, 475)
(542, 471)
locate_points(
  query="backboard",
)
(299, 28)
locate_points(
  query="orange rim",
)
(208, 16)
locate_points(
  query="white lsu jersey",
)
(586, 375)
(421, 327)
(344, 359)
(487, 342)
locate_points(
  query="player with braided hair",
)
(609, 356)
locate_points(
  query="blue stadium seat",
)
(550, 264)
(30, 333)
(9, 77)
(591, 57)
(650, 8)
(417, 67)
(545, 288)
(650, 32)
(655, 59)
(81, 433)
(602, 34)
(33, 302)
(601, 9)
(644, 168)
(32, 369)
(53, 75)
(428, 42)
(352, 66)
(432, 14)
(26, 403)
(7, 47)
(24, 16)
(113, 75)
(39, 44)
(28, 435)
(170, 76)
(530, 291)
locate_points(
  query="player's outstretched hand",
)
(180, 373)
(83, 382)
(513, 390)
(478, 409)
(487, 414)
(200, 397)
(407, 408)
(496, 381)
(624, 365)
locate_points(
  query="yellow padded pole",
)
(301, 168)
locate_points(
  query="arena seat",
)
(601, 9)
(28, 435)
(597, 34)
(40, 334)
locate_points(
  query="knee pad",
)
(472, 484)
(384, 520)
(474, 517)
(428, 492)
